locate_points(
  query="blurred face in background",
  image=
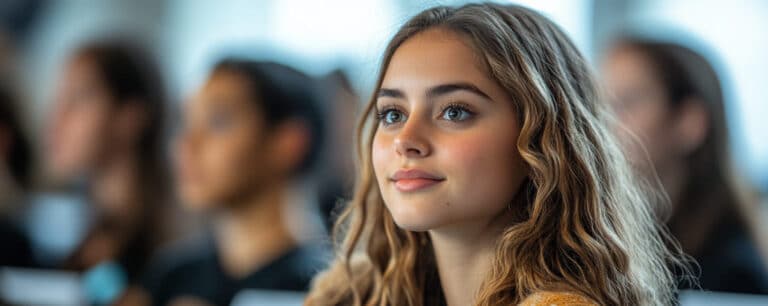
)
(642, 106)
(223, 152)
(80, 125)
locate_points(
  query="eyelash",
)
(381, 114)
(459, 106)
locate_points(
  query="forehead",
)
(225, 82)
(628, 64)
(81, 68)
(434, 56)
(224, 88)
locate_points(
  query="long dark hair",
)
(131, 76)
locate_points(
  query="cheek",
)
(644, 120)
(382, 153)
(485, 169)
(229, 164)
(76, 138)
(648, 124)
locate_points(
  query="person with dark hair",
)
(669, 98)
(105, 135)
(337, 173)
(15, 172)
(251, 131)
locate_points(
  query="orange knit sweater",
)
(557, 299)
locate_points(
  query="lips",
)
(414, 179)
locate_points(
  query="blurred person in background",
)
(249, 134)
(337, 168)
(15, 173)
(104, 137)
(669, 98)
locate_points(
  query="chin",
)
(64, 173)
(417, 217)
(414, 226)
(195, 201)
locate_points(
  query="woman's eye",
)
(391, 116)
(456, 113)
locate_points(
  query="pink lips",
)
(414, 179)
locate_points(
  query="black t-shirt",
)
(15, 246)
(731, 262)
(199, 274)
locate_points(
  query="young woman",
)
(669, 96)
(487, 176)
(106, 131)
(250, 134)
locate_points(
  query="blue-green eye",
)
(391, 116)
(456, 113)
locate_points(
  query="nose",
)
(412, 140)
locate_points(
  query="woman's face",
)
(221, 150)
(641, 106)
(444, 152)
(76, 137)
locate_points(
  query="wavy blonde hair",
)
(584, 223)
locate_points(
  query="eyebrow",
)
(445, 89)
(436, 91)
(390, 93)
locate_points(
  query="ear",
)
(129, 121)
(692, 125)
(290, 145)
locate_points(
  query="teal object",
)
(104, 283)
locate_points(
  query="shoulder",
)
(307, 259)
(176, 262)
(548, 298)
(180, 270)
(293, 270)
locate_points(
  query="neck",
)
(464, 254)
(673, 179)
(691, 225)
(252, 234)
(115, 188)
